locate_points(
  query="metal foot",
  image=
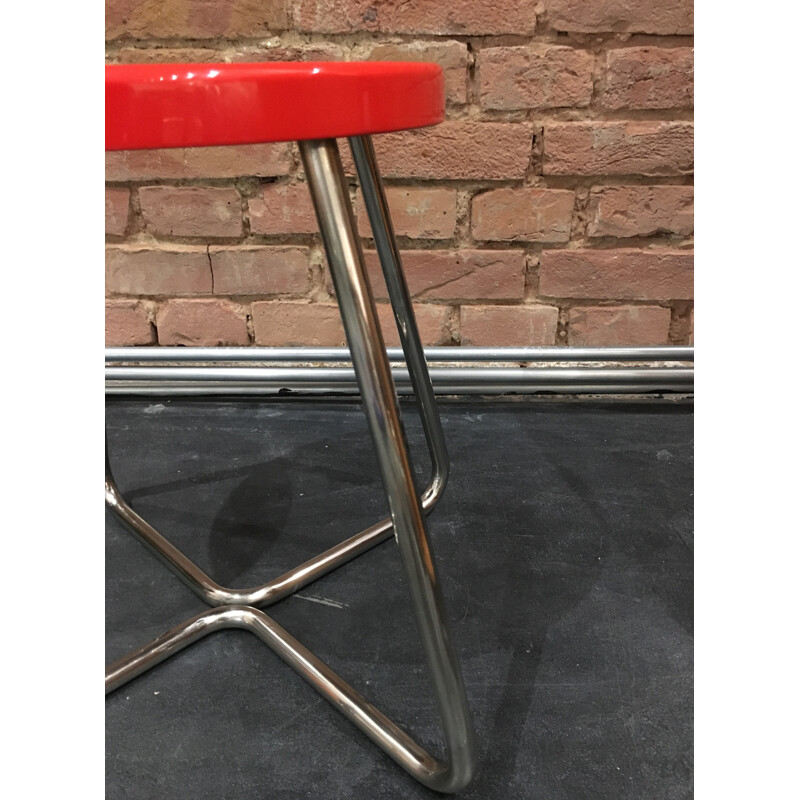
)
(376, 725)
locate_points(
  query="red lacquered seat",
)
(196, 105)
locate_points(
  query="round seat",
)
(197, 105)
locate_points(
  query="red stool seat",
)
(196, 105)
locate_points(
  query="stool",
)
(200, 105)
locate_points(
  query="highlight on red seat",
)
(196, 105)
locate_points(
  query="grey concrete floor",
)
(564, 547)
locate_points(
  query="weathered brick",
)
(127, 324)
(618, 148)
(527, 215)
(193, 19)
(640, 210)
(456, 150)
(286, 324)
(451, 56)
(431, 321)
(649, 77)
(624, 274)
(191, 211)
(681, 329)
(117, 207)
(418, 213)
(274, 50)
(201, 323)
(253, 270)
(259, 160)
(629, 16)
(609, 326)
(456, 275)
(468, 17)
(168, 55)
(283, 208)
(534, 77)
(140, 270)
(508, 326)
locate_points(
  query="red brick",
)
(534, 77)
(175, 270)
(640, 210)
(253, 270)
(201, 323)
(456, 275)
(508, 326)
(452, 56)
(168, 55)
(260, 160)
(127, 324)
(117, 207)
(191, 211)
(624, 274)
(649, 77)
(467, 17)
(611, 326)
(416, 213)
(527, 215)
(618, 148)
(630, 16)
(431, 321)
(193, 19)
(286, 324)
(457, 150)
(283, 208)
(681, 330)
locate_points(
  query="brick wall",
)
(554, 206)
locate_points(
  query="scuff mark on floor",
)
(325, 601)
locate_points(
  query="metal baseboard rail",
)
(309, 371)
(311, 355)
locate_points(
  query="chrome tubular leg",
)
(208, 589)
(334, 213)
(260, 596)
(385, 243)
(267, 594)
(166, 552)
(378, 727)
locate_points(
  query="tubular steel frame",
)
(240, 608)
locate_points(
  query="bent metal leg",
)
(332, 203)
